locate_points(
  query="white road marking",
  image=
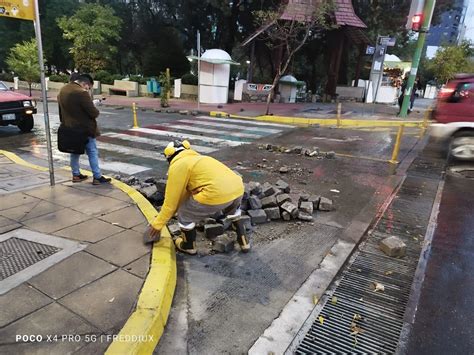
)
(155, 142)
(212, 131)
(191, 137)
(248, 122)
(141, 153)
(229, 125)
(115, 166)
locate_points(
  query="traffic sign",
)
(19, 9)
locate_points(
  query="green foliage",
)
(6, 77)
(139, 79)
(451, 60)
(59, 78)
(189, 79)
(23, 60)
(165, 82)
(94, 30)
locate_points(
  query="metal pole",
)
(199, 68)
(339, 115)
(396, 149)
(43, 93)
(427, 15)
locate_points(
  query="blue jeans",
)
(92, 154)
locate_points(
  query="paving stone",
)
(91, 231)
(286, 216)
(120, 249)
(303, 198)
(268, 189)
(306, 207)
(148, 191)
(281, 199)
(62, 195)
(109, 300)
(393, 246)
(139, 267)
(270, 201)
(255, 188)
(290, 208)
(128, 217)
(30, 210)
(223, 244)
(56, 221)
(255, 203)
(273, 213)
(283, 186)
(325, 204)
(314, 199)
(19, 302)
(257, 216)
(304, 216)
(212, 231)
(106, 205)
(70, 274)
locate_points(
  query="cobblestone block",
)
(255, 203)
(394, 247)
(281, 199)
(306, 207)
(258, 216)
(270, 201)
(325, 204)
(273, 213)
(283, 186)
(223, 244)
(211, 231)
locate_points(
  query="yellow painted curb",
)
(302, 121)
(144, 328)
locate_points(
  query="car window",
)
(3, 87)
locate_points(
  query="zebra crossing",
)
(138, 150)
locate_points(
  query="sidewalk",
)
(72, 262)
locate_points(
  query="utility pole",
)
(426, 19)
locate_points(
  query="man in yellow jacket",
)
(198, 187)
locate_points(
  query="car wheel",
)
(26, 124)
(462, 146)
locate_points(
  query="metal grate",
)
(18, 254)
(352, 304)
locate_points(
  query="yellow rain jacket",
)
(208, 181)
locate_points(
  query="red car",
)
(16, 109)
(454, 114)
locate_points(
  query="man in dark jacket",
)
(76, 109)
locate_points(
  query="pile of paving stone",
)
(299, 150)
(261, 203)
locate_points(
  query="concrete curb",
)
(144, 328)
(343, 122)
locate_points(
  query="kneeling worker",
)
(198, 187)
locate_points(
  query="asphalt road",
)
(443, 322)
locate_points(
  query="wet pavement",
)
(443, 321)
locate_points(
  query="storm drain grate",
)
(353, 317)
(18, 254)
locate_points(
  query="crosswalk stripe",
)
(115, 166)
(212, 131)
(246, 122)
(191, 137)
(136, 152)
(155, 142)
(262, 131)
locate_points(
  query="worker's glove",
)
(151, 235)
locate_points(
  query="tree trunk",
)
(272, 91)
(29, 86)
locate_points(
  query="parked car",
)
(454, 116)
(16, 109)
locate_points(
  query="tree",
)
(93, 30)
(286, 37)
(23, 60)
(451, 60)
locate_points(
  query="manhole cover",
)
(25, 253)
(18, 254)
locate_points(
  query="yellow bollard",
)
(396, 149)
(426, 118)
(339, 114)
(135, 120)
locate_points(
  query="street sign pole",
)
(199, 68)
(43, 93)
(427, 15)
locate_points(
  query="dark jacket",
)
(76, 109)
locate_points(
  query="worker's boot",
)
(186, 243)
(242, 238)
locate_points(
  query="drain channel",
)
(355, 318)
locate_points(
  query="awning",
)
(213, 61)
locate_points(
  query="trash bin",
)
(153, 87)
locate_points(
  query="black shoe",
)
(186, 243)
(79, 178)
(101, 180)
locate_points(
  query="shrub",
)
(6, 77)
(104, 77)
(189, 79)
(59, 78)
(139, 79)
